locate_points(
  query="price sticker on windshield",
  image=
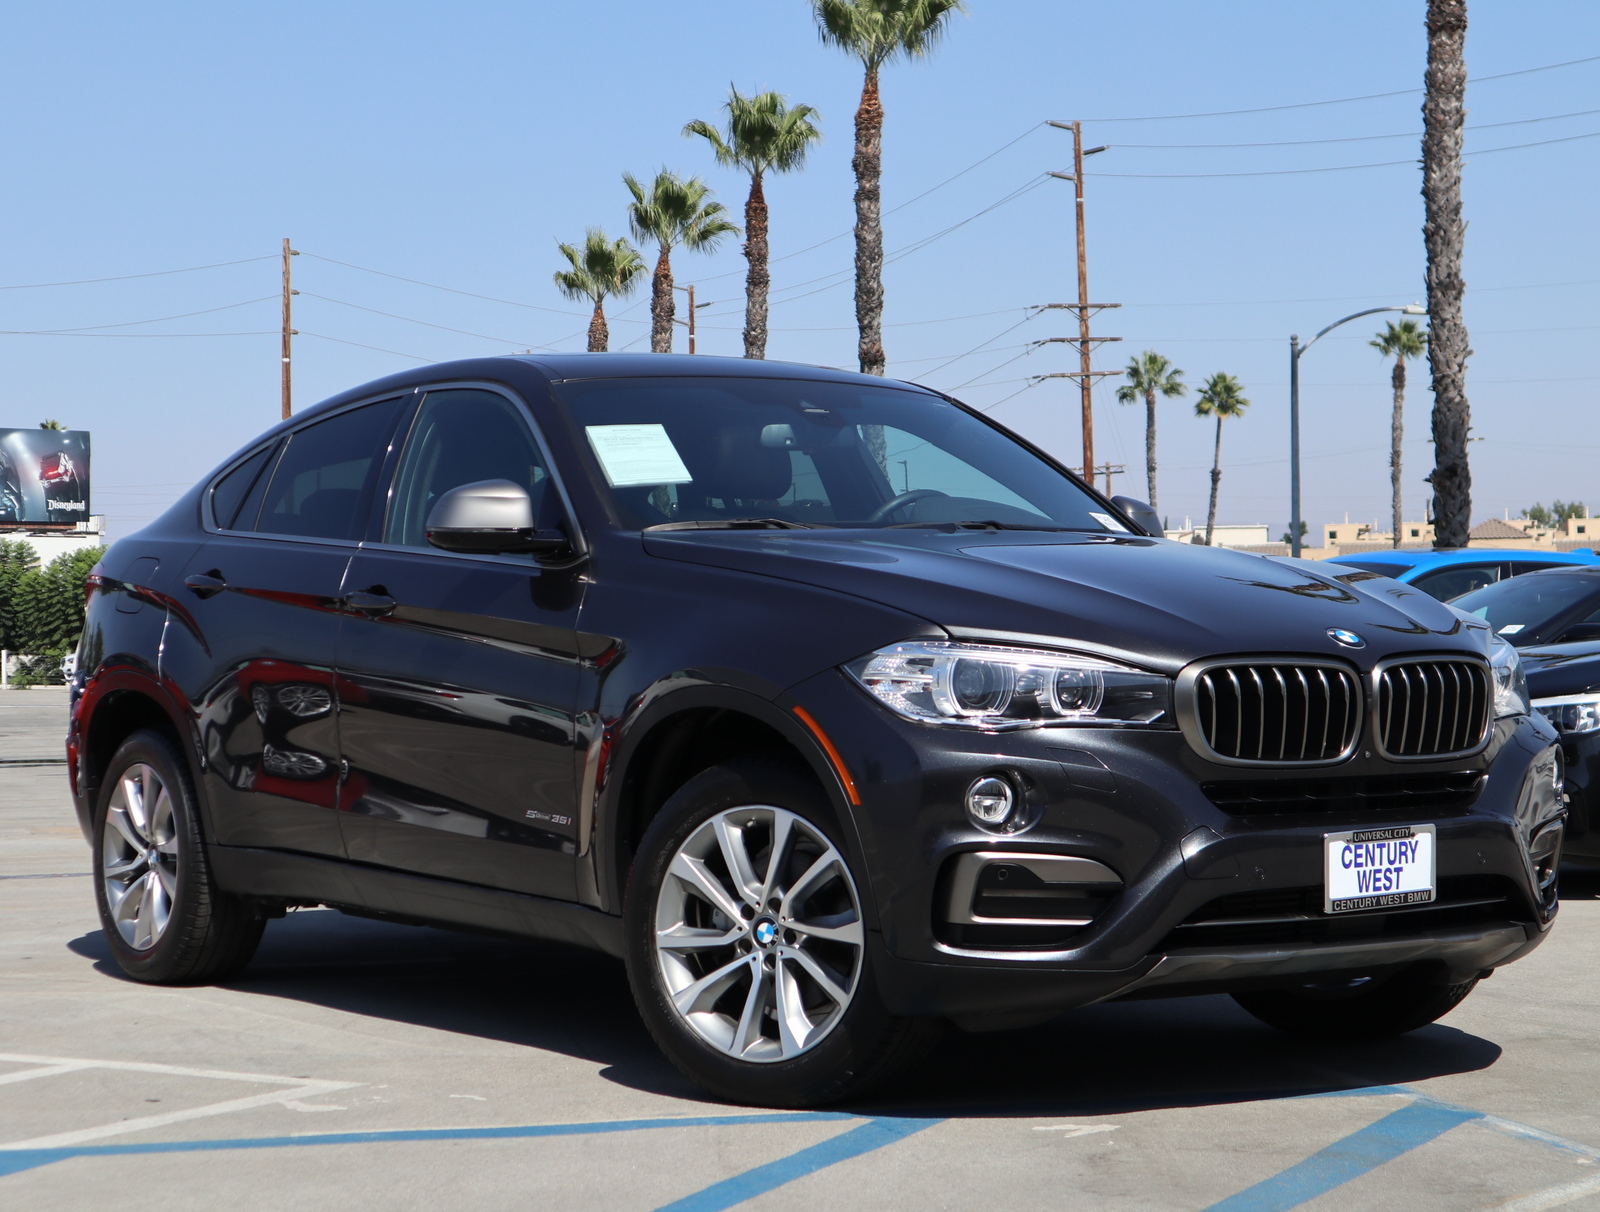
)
(1379, 868)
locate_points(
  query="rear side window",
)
(228, 493)
(1522, 566)
(460, 437)
(1447, 583)
(322, 483)
(1383, 568)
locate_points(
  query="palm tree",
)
(876, 32)
(1443, 112)
(1221, 396)
(671, 212)
(1148, 375)
(764, 135)
(1399, 341)
(600, 268)
(51, 425)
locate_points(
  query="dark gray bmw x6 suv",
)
(831, 707)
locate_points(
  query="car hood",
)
(1559, 669)
(1157, 603)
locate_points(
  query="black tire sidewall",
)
(844, 1059)
(163, 961)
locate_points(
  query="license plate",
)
(1379, 868)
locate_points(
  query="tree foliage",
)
(1150, 375)
(673, 211)
(600, 269)
(1558, 512)
(41, 609)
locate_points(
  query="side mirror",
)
(489, 517)
(1145, 518)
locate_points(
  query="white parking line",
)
(1552, 1197)
(295, 1089)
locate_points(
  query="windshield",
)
(786, 452)
(1523, 609)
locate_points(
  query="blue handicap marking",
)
(1392, 1136)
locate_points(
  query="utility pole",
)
(692, 308)
(288, 330)
(1082, 307)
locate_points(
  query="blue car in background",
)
(1449, 574)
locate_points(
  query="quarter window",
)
(462, 437)
(228, 493)
(1447, 583)
(321, 485)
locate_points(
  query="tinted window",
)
(461, 437)
(1524, 608)
(828, 454)
(1452, 582)
(321, 483)
(1522, 566)
(229, 492)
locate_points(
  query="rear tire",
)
(164, 919)
(754, 976)
(1366, 1008)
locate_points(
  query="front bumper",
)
(1212, 897)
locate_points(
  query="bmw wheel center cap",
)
(766, 932)
(1348, 638)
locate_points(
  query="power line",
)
(153, 320)
(1339, 168)
(1403, 92)
(451, 289)
(159, 273)
(427, 323)
(1409, 134)
(23, 332)
(341, 341)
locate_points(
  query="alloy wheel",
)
(139, 856)
(758, 934)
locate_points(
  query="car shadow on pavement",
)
(1117, 1057)
(1146, 1055)
(1580, 883)
(539, 995)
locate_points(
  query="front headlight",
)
(984, 686)
(1572, 715)
(1510, 684)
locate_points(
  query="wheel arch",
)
(678, 736)
(122, 703)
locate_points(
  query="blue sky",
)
(455, 144)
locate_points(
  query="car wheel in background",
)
(746, 945)
(163, 918)
(1364, 1008)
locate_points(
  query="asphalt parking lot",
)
(364, 1065)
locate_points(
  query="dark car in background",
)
(1449, 574)
(833, 708)
(1554, 618)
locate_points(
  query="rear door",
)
(458, 682)
(252, 648)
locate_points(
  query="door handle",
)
(369, 603)
(205, 584)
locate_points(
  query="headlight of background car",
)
(1572, 715)
(983, 686)
(1510, 684)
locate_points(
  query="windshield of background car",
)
(817, 453)
(1524, 608)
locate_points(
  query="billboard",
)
(44, 478)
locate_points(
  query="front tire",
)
(1365, 1008)
(746, 944)
(164, 920)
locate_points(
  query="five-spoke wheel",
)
(758, 933)
(139, 856)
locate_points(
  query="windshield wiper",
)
(734, 524)
(952, 527)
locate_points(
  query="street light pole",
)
(1295, 350)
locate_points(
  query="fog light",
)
(990, 801)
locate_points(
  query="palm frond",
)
(600, 268)
(674, 211)
(1222, 395)
(765, 134)
(877, 31)
(1407, 339)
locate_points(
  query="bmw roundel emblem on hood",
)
(1348, 638)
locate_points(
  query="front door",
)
(459, 673)
(251, 642)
